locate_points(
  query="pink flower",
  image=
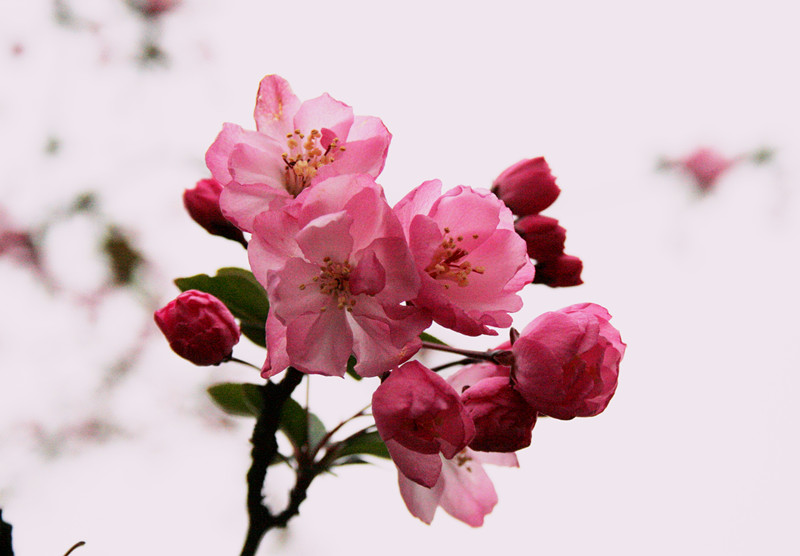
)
(567, 361)
(503, 419)
(335, 265)
(527, 187)
(471, 261)
(199, 327)
(296, 144)
(561, 272)
(202, 204)
(463, 489)
(706, 166)
(419, 415)
(543, 236)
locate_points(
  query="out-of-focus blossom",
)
(463, 489)
(527, 187)
(296, 144)
(471, 261)
(567, 361)
(706, 166)
(543, 236)
(202, 204)
(335, 264)
(199, 327)
(561, 272)
(419, 415)
(154, 8)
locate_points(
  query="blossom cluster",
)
(352, 280)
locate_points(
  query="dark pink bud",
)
(543, 236)
(562, 272)
(567, 361)
(503, 419)
(202, 204)
(199, 327)
(527, 187)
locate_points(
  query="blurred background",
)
(106, 110)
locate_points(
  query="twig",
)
(74, 546)
(5, 537)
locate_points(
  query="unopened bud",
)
(527, 187)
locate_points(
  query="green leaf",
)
(298, 428)
(367, 443)
(425, 337)
(239, 290)
(351, 368)
(241, 399)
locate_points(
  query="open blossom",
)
(527, 187)
(335, 263)
(295, 145)
(464, 489)
(567, 361)
(471, 261)
(419, 415)
(199, 327)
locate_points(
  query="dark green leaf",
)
(242, 399)
(368, 443)
(239, 290)
(351, 368)
(298, 428)
(425, 337)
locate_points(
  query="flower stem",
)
(496, 356)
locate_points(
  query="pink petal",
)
(325, 112)
(420, 501)
(272, 243)
(276, 106)
(468, 493)
(418, 201)
(320, 343)
(277, 359)
(423, 469)
(327, 238)
(369, 276)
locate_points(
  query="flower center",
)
(334, 280)
(305, 156)
(448, 261)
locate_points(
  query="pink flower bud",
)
(418, 411)
(202, 204)
(199, 327)
(503, 419)
(543, 236)
(560, 272)
(567, 361)
(527, 187)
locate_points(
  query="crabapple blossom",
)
(295, 145)
(335, 263)
(199, 327)
(503, 419)
(543, 236)
(561, 272)
(202, 204)
(470, 260)
(527, 187)
(567, 361)
(463, 489)
(419, 415)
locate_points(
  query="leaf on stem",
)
(299, 429)
(425, 337)
(239, 290)
(364, 442)
(240, 399)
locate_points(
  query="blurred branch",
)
(5, 537)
